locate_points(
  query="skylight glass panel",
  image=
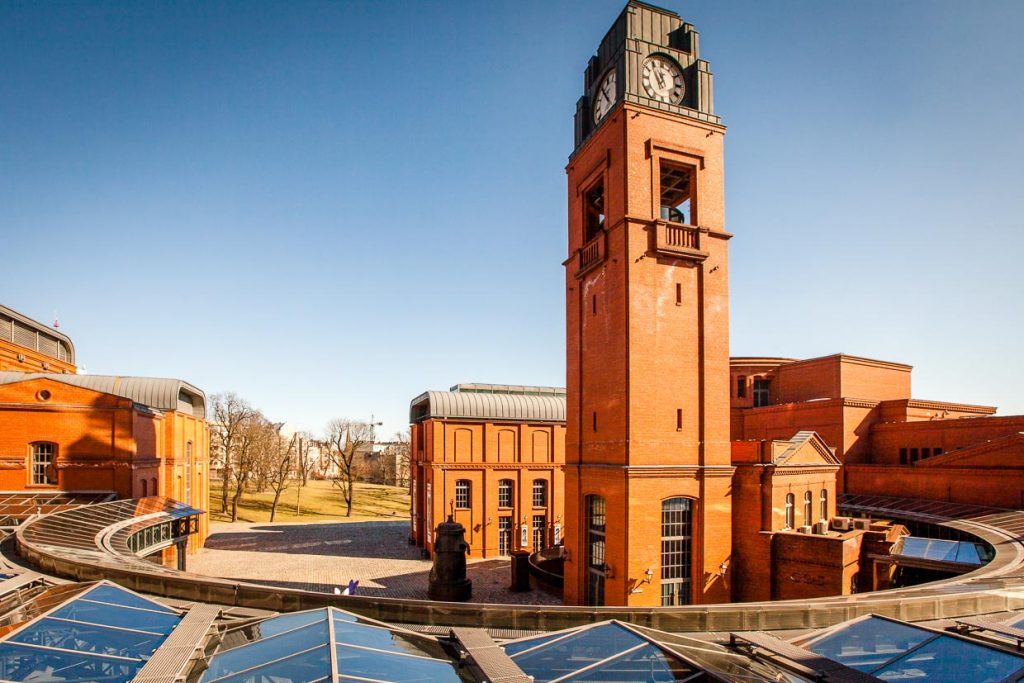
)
(347, 633)
(942, 550)
(20, 663)
(268, 649)
(520, 645)
(119, 596)
(288, 622)
(123, 617)
(383, 666)
(952, 660)
(562, 657)
(867, 644)
(304, 667)
(648, 663)
(73, 635)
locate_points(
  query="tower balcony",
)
(678, 240)
(592, 253)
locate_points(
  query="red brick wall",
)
(989, 486)
(887, 439)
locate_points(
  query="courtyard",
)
(324, 556)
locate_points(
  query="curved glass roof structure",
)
(103, 632)
(327, 644)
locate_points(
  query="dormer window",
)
(594, 205)
(677, 193)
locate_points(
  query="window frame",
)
(463, 494)
(51, 462)
(808, 508)
(540, 493)
(762, 392)
(677, 551)
(823, 504)
(506, 494)
(790, 511)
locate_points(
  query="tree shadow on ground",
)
(384, 540)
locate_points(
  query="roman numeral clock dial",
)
(605, 96)
(663, 80)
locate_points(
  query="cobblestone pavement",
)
(322, 557)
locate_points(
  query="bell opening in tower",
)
(677, 193)
(594, 220)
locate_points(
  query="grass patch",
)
(319, 501)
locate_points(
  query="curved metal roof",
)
(45, 330)
(478, 406)
(155, 392)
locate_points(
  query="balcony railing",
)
(592, 253)
(677, 239)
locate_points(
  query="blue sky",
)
(332, 207)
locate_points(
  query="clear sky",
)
(332, 207)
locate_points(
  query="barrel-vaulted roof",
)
(154, 392)
(526, 404)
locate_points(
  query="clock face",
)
(663, 80)
(605, 96)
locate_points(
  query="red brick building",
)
(691, 477)
(492, 456)
(61, 431)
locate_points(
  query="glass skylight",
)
(895, 651)
(103, 633)
(297, 648)
(962, 552)
(605, 652)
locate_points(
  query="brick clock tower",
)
(648, 474)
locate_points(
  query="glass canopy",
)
(103, 632)
(328, 644)
(961, 552)
(896, 651)
(611, 651)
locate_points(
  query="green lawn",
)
(319, 501)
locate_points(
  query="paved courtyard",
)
(325, 556)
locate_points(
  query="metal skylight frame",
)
(332, 643)
(936, 634)
(7, 638)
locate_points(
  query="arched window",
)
(145, 488)
(540, 493)
(676, 551)
(44, 473)
(154, 489)
(188, 473)
(462, 498)
(596, 568)
(505, 488)
(823, 502)
(790, 513)
(807, 508)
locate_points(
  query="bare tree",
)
(344, 440)
(251, 442)
(230, 414)
(305, 465)
(282, 450)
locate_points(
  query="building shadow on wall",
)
(383, 540)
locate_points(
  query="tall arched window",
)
(153, 487)
(823, 502)
(540, 493)
(790, 513)
(807, 508)
(596, 567)
(676, 551)
(44, 473)
(505, 488)
(462, 499)
(145, 488)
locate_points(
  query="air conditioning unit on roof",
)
(842, 523)
(805, 529)
(864, 524)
